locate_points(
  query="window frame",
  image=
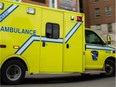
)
(53, 3)
(40, 1)
(97, 12)
(96, 1)
(110, 29)
(52, 31)
(108, 10)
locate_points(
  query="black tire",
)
(110, 68)
(12, 72)
(85, 74)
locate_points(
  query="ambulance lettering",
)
(17, 30)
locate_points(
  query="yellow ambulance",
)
(43, 40)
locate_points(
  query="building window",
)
(52, 30)
(108, 11)
(96, 0)
(97, 12)
(67, 5)
(41, 1)
(110, 28)
(98, 27)
(106, 0)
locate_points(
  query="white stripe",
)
(12, 8)
(97, 47)
(52, 40)
(27, 44)
(7, 12)
(72, 32)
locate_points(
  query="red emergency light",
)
(79, 19)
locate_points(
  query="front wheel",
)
(110, 68)
(13, 72)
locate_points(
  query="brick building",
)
(100, 16)
(71, 5)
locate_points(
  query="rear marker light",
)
(1, 6)
(16, 47)
(72, 17)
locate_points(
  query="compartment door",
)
(52, 41)
(74, 45)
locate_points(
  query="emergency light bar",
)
(79, 19)
(1, 5)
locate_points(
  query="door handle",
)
(85, 47)
(67, 45)
(43, 44)
(2, 46)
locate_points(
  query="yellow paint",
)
(28, 31)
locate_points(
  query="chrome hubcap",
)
(108, 68)
(13, 72)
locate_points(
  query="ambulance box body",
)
(43, 40)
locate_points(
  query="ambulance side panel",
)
(74, 44)
(39, 50)
(17, 29)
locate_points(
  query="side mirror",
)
(108, 39)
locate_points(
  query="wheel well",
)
(111, 58)
(19, 59)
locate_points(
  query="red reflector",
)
(79, 18)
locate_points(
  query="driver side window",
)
(92, 38)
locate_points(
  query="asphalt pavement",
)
(72, 80)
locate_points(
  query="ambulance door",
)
(95, 51)
(74, 44)
(52, 41)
